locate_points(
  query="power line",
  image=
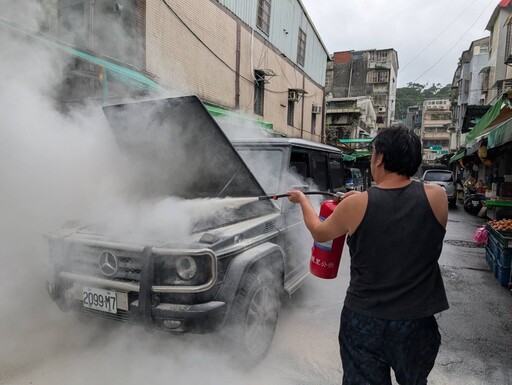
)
(458, 41)
(438, 36)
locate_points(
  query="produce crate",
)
(502, 254)
(502, 238)
(502, 274)
(489, 257)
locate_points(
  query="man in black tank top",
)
(395, 236)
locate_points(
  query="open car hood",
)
(176, 148)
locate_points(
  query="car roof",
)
(295, 142)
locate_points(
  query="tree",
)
(415, 93)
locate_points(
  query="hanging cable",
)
(457, 42)
(437, 37)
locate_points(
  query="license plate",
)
(99, 299)
(475, 203)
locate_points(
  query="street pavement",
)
(41, 345)
(476, 331)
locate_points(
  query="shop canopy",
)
(220, 112)
(359, 140)
(484, 122)
(495, 126)
(457, 156)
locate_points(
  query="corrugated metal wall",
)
(286, 18)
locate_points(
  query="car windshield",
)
(438, 176)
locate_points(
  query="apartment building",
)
(435, 126)
(366, 73)
(500, 51)
(349, 118)
(470, 88)
(261, 58)
(414, 118)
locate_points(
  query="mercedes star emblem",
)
(108, 263)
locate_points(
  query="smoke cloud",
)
(59, 167)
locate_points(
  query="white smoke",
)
(58, 167)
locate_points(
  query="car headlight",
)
(186, 268)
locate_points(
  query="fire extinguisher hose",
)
(277, 196)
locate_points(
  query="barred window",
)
(301, 47)
(259, 92)
(378, 76)
(263, 19)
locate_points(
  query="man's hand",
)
(296, 196)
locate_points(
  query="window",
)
(382, 56)
(291, 111)
(263, 18)
(378, 76)
(265, 165)
(484, 49)
(319, 170)
(313, 123)
(301, 47)
(73, 24)
(299, 163)
(335, 172)
(259, 92)
(508, 43)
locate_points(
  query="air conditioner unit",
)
(381, 109)
(316, 109)
(293, 95)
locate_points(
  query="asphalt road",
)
(41, 345)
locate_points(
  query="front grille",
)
(85, 260)
(121, 315)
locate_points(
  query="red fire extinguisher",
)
(326, 256)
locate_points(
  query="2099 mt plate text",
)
(99, 299)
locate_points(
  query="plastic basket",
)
(502, 274)
(489, 257)
(501, 238)
(504, 255)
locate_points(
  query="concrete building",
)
(366, 73)
(414, 119)
(500, 74)
(470, 88)
(436, 120)
(349, 118)
(261, 58)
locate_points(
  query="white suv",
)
(445, 179)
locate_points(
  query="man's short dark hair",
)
(401, 150)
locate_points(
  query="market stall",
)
(498, 251)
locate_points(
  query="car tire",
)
(253, 319)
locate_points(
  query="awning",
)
(217, 111)
(484, 122)
(359, 140)
(458, 156)
(348, 158)
(500, 134)
(473, 148)
(112, 70)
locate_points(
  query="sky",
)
(429, 36)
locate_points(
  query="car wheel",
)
(254, 317)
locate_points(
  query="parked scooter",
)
(473, 200)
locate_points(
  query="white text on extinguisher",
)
(321, 263)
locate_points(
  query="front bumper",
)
(173, 317)
(144, 301)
